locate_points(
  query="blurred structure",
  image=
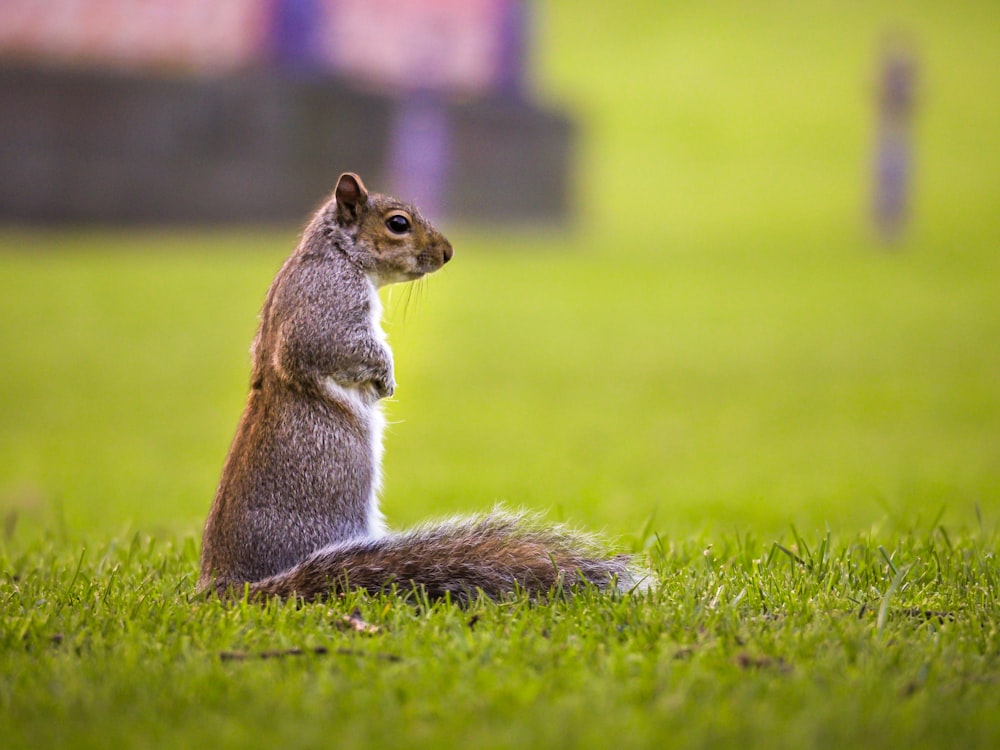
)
(897, 78)
(234, 110)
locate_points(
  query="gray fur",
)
(295, 512)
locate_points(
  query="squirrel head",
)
(389, 239)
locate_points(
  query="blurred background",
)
(716, 269)
(182, 111)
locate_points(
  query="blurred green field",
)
(711, 387)
(714, 360)
(716, 341)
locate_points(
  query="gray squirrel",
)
(296, 511)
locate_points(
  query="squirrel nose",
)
(447, 252)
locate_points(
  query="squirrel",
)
(296, 510)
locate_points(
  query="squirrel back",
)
(296, 509)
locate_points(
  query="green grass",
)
(832, 641)
(714, 364)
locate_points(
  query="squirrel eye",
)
(398, 224)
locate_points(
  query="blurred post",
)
(420, 151)
(296, 43)
(895, 101)
(512, 69)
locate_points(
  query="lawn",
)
(714, 363)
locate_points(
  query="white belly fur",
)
(362, 401)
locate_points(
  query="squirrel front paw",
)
(384, 386)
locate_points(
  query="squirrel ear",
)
(351, 197)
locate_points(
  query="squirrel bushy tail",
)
(491, 555)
